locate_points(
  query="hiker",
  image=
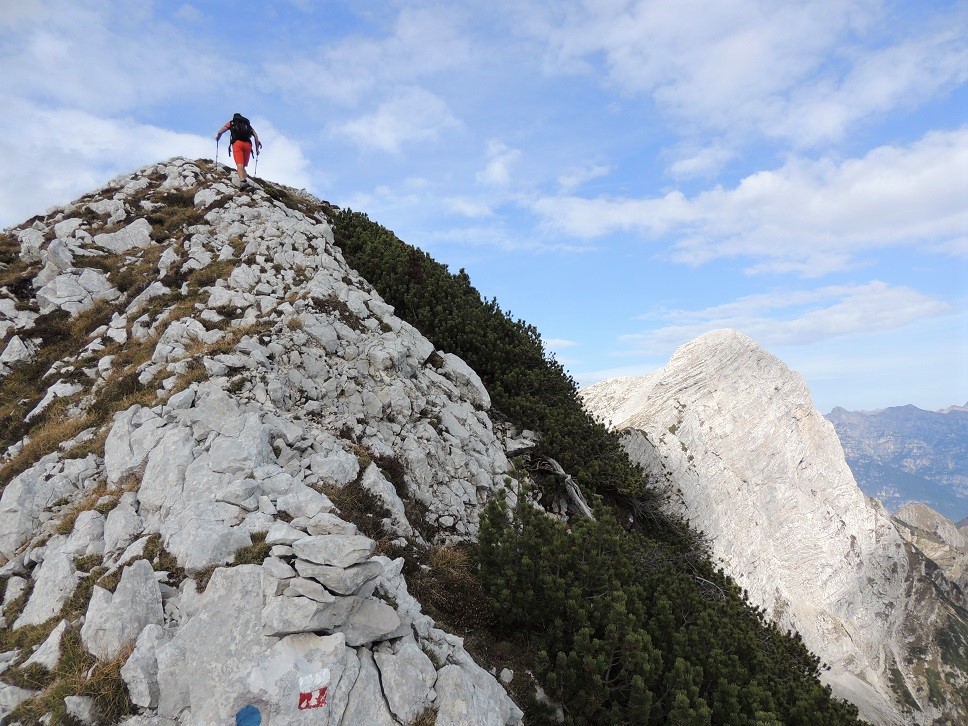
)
(240, 145)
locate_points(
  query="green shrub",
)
(619, 626)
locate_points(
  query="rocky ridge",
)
(748, 460)
(215, 389)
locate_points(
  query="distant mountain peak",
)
(733, 434)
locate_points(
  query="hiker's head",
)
(236, 116)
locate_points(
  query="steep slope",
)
(905, 454)
(735, 436)
(938, 538)
(203, 405)
(231, 470)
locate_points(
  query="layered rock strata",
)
(733, 436)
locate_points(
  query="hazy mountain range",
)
(904, 454)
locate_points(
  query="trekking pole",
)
(216, 155)
(256, 172)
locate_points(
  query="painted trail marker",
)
(312, 690)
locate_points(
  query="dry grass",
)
(90, 502)
(334, 307)
(427, 718)
(253, 554)
(451, 589)
(78, 673)
(45, 438)
(361, 507)
(206, 276)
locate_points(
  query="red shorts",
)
(241, 151)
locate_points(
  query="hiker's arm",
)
(258, 144)
(222, 131)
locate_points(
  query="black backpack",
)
(240, 128)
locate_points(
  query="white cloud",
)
(413, 116)
(580, 176)
(558, 343)
(797, 317)
(423, 42)
(107, 58)
(803, 71)
(705, 162)
(810, 217)
(98, 149)
(498, 170)
(471, 208)
(189, 13)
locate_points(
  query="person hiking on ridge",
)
(240, 145)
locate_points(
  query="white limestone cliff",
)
(732, 433)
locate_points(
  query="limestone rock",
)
(334, 549)
(222, 641)
(54, 582)
(17, 351)
(122, 525)
(26, 497)
(115, 620)
(407, 676)
(361, 620)
(135, 235)
(80, 708)
(76, 291)
(762, 473)
(287, 680)
(469, 696)
(48, 653)
(140, 671)
(366, 703)
(11, 697)
(464, 377)
(342, 581)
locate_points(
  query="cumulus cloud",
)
(803, 72)
(422, 42)
(794, 317)
(500, 158)
(412, 116)
(104, 58)
(810, 217)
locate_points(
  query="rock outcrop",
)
(235, 382)
(938, 538)
(733, 435)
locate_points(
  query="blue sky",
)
(623, 174)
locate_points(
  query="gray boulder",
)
(116, 619)
(140, 672)
(48, 653)
(361, 620)
(408, 678)
(334, 549)
(342, 581)
(54, 582)
(366, 702)
(221, 640)
(136, 235)
(467, 695)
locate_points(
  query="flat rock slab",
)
(335, 549)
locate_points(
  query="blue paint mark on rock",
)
(248, 716)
